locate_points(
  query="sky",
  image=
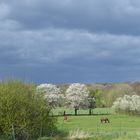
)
(66, 41)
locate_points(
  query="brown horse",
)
(104, 120)
(65, 118)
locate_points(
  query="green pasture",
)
(118, 123)
(121, 127)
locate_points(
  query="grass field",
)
(121, 127)
(92, 123)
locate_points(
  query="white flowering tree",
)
(52, 94)
(127, 104)
(77, 96)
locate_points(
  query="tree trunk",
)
(76, 111)
(13, 132)
(90, 111)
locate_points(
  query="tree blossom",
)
(77, 96)
(52, 94)
(128, 104)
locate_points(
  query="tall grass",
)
(77, 133)
(82, 135)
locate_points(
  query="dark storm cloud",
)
(111, 16)
(70, 40)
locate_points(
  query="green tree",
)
(24, 113)
(92, 104)
(97, 94)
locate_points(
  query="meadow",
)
(121, 127)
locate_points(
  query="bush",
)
(24, 113)
(127, 104)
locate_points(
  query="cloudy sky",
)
(64, 41)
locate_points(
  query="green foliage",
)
(24, 113)
(106, 94)
(97, 94)
(116, 90)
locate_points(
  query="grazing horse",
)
(65, 118)
(104, 120)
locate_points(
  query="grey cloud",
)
(108, 16)
(56, 45)
(4, 11)
(70, 40)
(6, 23)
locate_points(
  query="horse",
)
(104, 120)
(65, 118)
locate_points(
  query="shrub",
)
(127, 104)
(24, 113)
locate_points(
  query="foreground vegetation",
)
(24, 113)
